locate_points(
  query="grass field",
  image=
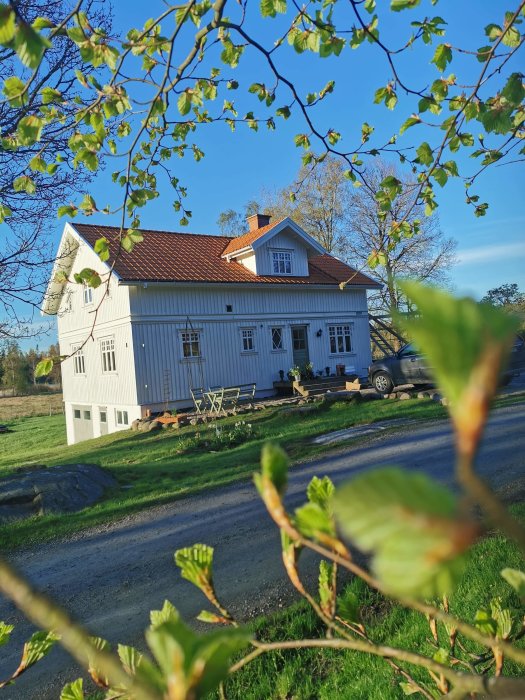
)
(12, 407)
(153, 468)
(158, 467)
(346, 675)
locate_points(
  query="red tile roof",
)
(248, 238)
(189, 257)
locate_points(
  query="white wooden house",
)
(187, 310)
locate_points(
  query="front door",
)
(300, 345)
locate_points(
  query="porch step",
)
(314, 387)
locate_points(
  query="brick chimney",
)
(258, 221)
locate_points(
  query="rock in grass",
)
(62, 489)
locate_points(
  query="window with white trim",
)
(103, 416)
(76, 413)
(191, 344)
(340, 339)
(282, 262)
(277, 339)
(79, 361)
(107, 349)
(87, 295)
(248, 339)
(121, 417)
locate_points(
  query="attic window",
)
(88, 295)
(282, 262)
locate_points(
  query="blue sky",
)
(237, 167)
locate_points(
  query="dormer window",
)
(282, 262)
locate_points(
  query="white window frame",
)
(280, 347)
(87, 294)
(283, 260)
(103, 412)
(79, 360)
(107, 355)
(121, 417)
(248, 340)
(190, 339)
(341, 335)
(75, 411)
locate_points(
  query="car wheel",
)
(382, 383)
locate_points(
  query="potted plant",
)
(309, 371)
(295, 373)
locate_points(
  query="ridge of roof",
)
(246, 239)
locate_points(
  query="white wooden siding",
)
(73, 315)
(161, 314)
(283, 241)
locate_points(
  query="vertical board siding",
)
(283, 241)
(73, 315)
(116, 387)
(161, 314)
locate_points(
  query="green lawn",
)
(153, 468)
(346, 675)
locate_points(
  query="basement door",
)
(300, 345)
(82, 423)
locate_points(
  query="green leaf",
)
(212, 618)
(50, 95)
(440, 176)
(30, 45)
(29, 130)
(101, 248)
(196, 564)
(41, 642)
(485, 622)
(442, 56)
(348, 607)
(409, 688)
(24, 184)
(38, 164)
(320, 492)
(199, 663)
(168, 612)
(424, 154)
(13, 89)
(5, 212)
(312, 521)
(514, 92)
(407, 521)
(411, 121)
(516, 579)
(67, 210)
(7, 24)
(5, 633)
(269, 8)
(130, 658)
(455, 335)
(503, 618)
(73, 691)
(274, 465)
(326, 590)
(398, 5)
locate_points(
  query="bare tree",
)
(318, 201)
(25, 253)
(426, 256)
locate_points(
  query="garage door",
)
(82, 422)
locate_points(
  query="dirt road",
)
(110, 577)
